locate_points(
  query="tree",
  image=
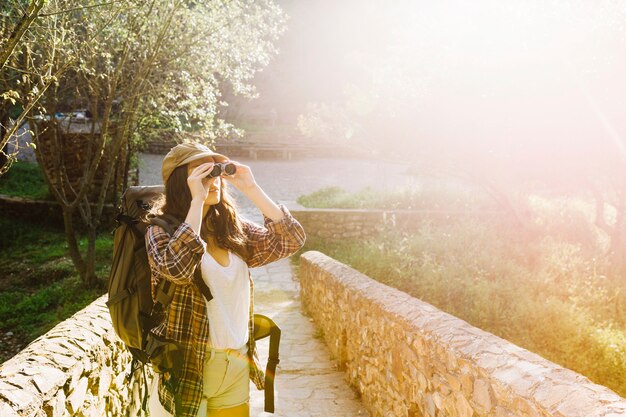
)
(132, 63)
(23, 79)
(18, 15)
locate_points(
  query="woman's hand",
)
(242, 179)
(198, 183)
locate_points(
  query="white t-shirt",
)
(229, 310)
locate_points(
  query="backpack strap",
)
(165, 289)
(270, 371)
(263, 327)
(165, 292)
(144, 403)
(166, 221)
(164, 296)
(199, 281)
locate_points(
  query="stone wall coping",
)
(56, 361)
(50, 212)
(516, 370)
(18, 199)
(24, 199)
(295, 206)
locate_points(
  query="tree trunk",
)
(90, 279)
(129, 152)
(74, 249)
(5, 150)
(617, 251)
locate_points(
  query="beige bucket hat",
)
(184, 153)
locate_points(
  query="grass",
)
(431, 197)
(546, 293)
(39, 286)
(25, 179)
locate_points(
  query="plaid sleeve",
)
(174, 258)
(274, 241)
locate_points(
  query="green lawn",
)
(25, 179)
(38, 284)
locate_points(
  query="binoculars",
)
(227, 168)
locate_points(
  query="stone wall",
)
(159, 147)
(76, 369)
(356, 223)
(408, 358)
(49, 212)
(263, 147)
(323, 223)
(342, 223)
(73, 138)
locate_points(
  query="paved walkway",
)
(307, 381)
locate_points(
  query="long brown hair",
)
(221, 219)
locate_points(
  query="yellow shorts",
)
(226, 381)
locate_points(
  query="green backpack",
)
(134, 313)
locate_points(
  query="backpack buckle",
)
(164, 354)
(142, 205)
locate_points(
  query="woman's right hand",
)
(198, 182)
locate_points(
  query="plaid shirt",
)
(175, 258)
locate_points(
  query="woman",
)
(219, 352)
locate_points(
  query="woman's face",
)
(214, 183)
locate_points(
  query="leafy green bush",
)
(325, 197)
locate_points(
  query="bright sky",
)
(549, 73)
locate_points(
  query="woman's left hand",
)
(242, 179)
